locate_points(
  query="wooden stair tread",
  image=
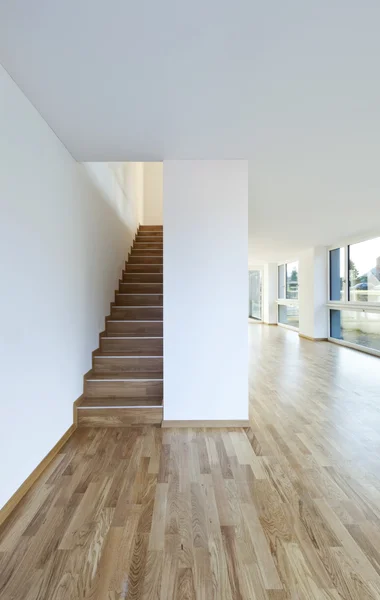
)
(132, 337)
(120, 402)
(143, 307)
(123, 335)
(135, 320)
(139, 313)
(126, 376)
(134, 328)
(139, 293)
(109, 354)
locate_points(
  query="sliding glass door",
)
(255, 295)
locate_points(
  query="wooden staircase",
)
(125, 385)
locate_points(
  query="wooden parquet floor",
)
(287, 509)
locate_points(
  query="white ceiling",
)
(293, 86)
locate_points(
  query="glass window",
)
(337, 274)
(292, 280)
(288, 315)
(357, 327)
(255, 295)
(364, 271)
(281, 281)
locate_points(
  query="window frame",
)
(292, 262)
(261, 269)
(346, 262)
(346, 303)
(359, 347)
(286, 301)
(283, 286)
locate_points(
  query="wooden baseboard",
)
(312, 339)
(27, 484)
(218, 424)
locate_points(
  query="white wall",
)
(62, 247)
(134, 187)
(153, 192)
(270, 293)
(122, 186)
(313, 292)
(206, 290)
(306, 292)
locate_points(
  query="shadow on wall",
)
(122, 186)
(133, 189)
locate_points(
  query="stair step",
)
(124, 376)
(88, 403)
(148, 246)
(151, 228)
(145, 260)
(141, 313)
(119, 417)
(131, 346)
(125, 385)
(141, 288)
(134, 328)
(156, 244)
(143, 277)
(118, 362)
(126, 299)
(147, 252)
(145, 239)
(150, 233)
(143, 268)
(122, 388)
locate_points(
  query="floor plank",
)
(288, 509)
